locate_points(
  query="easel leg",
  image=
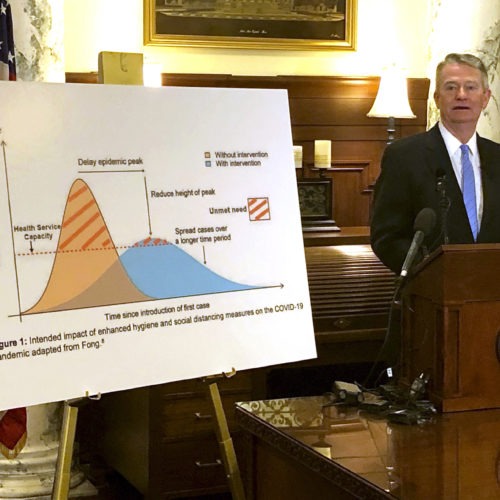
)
(60, 489)
(226, 444)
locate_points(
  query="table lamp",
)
(392, 99)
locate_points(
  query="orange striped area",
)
(83, 222)
(79, 230)
(263, 214)
(79, 212)
(94, 237)
(258, 208)
(256, 204)
(76, 267)
(151, 242)
(78, 192)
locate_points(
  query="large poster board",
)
(148, 235)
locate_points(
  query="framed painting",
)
(252, 24)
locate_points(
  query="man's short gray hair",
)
(467, 59)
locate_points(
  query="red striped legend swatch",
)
(258, 209)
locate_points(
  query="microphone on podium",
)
(423, 225)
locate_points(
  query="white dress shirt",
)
(453, 147)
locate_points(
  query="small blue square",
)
(208, 164)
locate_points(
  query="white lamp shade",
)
(392, 96)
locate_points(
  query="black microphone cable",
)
(390, 337)
(444, 202)
(422, 227)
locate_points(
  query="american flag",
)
(13, 435)
(7, 54)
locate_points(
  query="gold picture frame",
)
(252, 24)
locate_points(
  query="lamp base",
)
(391, 130)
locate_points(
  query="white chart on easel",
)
(149, 235)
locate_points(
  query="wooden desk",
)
(456, 457)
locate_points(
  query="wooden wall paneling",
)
(335, 109)
(329, 111)
(351, 193)
(307, 133)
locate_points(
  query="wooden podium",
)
(451, 325)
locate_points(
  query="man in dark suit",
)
(414, 168)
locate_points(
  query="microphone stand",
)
(423, 225)
(391, 346)
(390, 337)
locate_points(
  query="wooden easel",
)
(61, 487)
(62, 478)
(224, 437)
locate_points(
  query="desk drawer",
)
(191, 417)
(189, 465)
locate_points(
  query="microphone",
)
(444, 202)
(423, 225)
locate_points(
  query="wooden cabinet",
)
(162, 439)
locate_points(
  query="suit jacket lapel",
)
(438, 158)
(490, 184)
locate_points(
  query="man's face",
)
(460, 95)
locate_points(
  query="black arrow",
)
(201, 294)
(110, 171)
(147, 205)
(4, 154)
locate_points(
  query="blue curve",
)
(164, 271)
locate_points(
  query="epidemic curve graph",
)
(88, 270)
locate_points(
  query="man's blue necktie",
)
(469, 189)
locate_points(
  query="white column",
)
(39, 39)
(465, 26)
(31, 474)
